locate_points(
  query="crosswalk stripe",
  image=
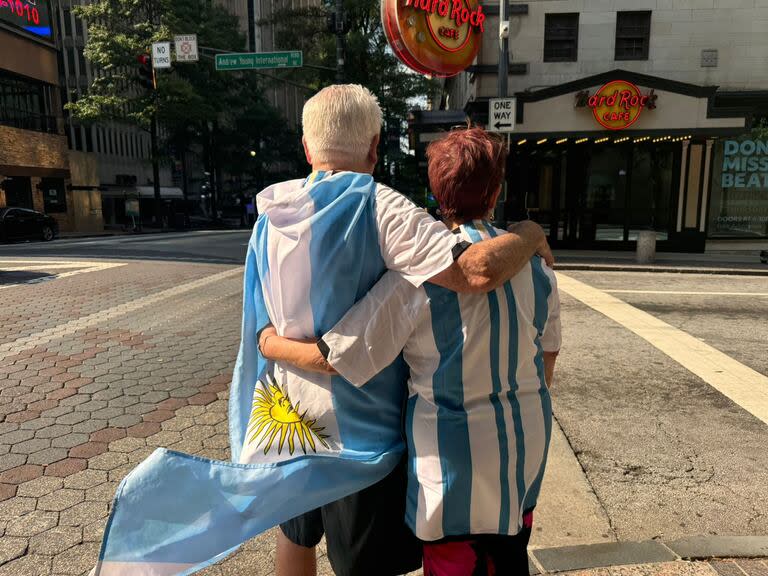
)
(685, 293)
(745, 386)
(81, 268)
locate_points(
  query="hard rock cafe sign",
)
(618, 104)
(434, 37)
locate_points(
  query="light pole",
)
(339, 25)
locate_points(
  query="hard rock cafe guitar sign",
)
(434, 37)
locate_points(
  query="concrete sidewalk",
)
(720, 258)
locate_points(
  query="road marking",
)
(68, 328)
(745, 386)
(686, 293)
(42, 265)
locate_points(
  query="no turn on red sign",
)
(186, 48)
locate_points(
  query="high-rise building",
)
(119, 154)
(285, 97)
(35, 166)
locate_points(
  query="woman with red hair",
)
(478, 419)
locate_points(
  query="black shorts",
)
(365, 533)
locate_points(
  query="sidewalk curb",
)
(603, 555)
(565, 266)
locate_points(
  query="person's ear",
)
(373, 151)
(306, 150)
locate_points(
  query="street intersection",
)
(660, 398)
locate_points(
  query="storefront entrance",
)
(595, 194)
(18, 192)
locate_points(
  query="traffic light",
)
(146, 72)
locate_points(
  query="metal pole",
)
(503, 50)
(339, 42)
(252, 25)
(156, 161)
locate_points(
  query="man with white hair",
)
(324, 241)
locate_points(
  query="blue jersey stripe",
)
(341, 273)
(412, 495)
(542, 289)
(514, 401)
(498, 410)
(452, 425)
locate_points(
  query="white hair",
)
(340, 123)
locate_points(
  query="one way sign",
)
(501, 115)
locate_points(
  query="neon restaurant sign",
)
(434, 37)
(618, 104)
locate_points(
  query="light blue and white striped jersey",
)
(299, 441)
(478, 419)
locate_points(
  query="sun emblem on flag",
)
(274, 414)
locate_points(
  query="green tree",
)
(200, 110)
(368, 61)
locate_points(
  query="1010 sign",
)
(30, 15)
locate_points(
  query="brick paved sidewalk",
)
(96, 371)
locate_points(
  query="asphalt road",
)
(209, 246)
(666, 454)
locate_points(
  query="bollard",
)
(646, 247)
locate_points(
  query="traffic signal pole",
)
(156, 160)
(148, 79)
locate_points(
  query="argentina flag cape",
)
(297, 441)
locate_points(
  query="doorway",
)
(18, 192)
(595, 195)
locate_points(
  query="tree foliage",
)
(193, 101)
(368, 59)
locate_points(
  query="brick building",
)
(685, 162)
(34, 164)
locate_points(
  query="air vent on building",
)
(709, 58)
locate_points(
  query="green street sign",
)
(260, 60)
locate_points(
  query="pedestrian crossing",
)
(15, 272)
(743, 385)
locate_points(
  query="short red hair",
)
(465, 171)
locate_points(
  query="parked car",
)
(24, 224)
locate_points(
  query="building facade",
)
(35, 164)
(630, 116)
(287, 98)
(115, 157)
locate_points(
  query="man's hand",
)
(543, 249)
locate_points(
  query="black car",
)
(24, 224)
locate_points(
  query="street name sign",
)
(186, 48)
(161, 55)
(501, 114)
(260, 60)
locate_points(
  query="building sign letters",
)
(434, 37)
(618, 104)
(745, 164)
(33, 16)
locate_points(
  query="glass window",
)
(606, 195)
(651, 189)
(633, 35)
(71, 61)
(561, 37)
(26, 104)
(739, 199)
(68, 22)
